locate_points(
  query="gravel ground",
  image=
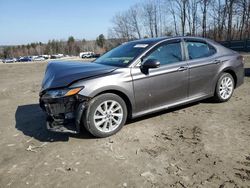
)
(199, 145)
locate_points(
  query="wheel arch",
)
(232, 72)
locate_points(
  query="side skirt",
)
(165, 107)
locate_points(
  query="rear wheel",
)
(224, 88)
(105, 116)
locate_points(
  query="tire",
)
(100, 120)
(224, 87)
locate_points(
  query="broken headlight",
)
(58, 93)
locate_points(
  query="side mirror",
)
(151, 64)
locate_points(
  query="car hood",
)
(62, 74)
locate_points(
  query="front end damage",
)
(64, 113)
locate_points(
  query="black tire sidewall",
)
(88, 120)
(217, 92)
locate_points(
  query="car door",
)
(203, 64)
(161, 86)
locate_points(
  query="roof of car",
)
(151, 40)
(156, 40)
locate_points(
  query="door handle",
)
(217, 61)
(182, 69)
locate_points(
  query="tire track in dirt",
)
(191, 165)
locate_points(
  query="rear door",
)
(165, 85)
(203, 65)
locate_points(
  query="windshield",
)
(122, 55)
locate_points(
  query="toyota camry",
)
(137, 78)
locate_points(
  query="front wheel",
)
(106, 114)
(224, 88)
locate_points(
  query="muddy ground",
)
(200, 145)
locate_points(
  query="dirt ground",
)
(200, 145)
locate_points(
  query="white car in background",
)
(56, 56)
(9, 60)
(45, 56)
(86, 54)
(39, 58)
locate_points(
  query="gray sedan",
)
(137, 78)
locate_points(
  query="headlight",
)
(62, 93)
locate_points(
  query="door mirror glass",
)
(151, 64)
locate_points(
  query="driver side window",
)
(167, 53)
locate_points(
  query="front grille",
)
(55, 109)
(60, 108)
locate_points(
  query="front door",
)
(161, 86)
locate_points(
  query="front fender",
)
(120, 81)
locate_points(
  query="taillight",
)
(241, 58)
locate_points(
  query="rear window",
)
(199, 50)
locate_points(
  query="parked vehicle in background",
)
(9, 60)
(25, 59)
(56, 56)
(137, 78)
(86, 54)
(39, 58)
(46, 56)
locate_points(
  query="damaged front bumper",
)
(64, 114)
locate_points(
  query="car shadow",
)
(31, 120)
(247, 72)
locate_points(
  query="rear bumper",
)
(63, 114)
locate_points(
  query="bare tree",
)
(122, 28)
(181, 11)
(192, 8)
(219, 16)
(247, 21)
(155, 13)
(148, 9)
(204, 6)
(134, 18)
(244, 6)
(173, 13)
(229, 4)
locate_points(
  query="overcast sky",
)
(26, 21)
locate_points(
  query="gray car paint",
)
(61, 74)
(119, 80)
(165, 86)
(162, 86)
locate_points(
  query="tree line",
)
(219, 20)
(216, 19)
(69, 47)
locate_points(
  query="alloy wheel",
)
(226, 88)
(108, 116)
